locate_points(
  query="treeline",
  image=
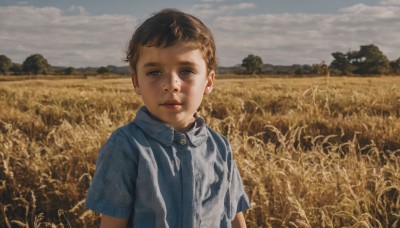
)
(38, 64)
(368, 60)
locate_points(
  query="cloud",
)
(208, 10)
(81, 10)
(76, 40)
(390, 2)
(306, 38)
(74, 37)
(210, 1)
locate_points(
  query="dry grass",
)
(312, 152)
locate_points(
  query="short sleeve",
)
(239, 200)
(112, 189)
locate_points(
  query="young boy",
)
(167, 168)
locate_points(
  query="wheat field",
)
(312, 152)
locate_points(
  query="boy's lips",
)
(171, 104)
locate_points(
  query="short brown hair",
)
(167, 27)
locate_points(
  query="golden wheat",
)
(312, 152)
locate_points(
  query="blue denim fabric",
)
(157, 177)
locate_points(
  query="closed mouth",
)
(172, 103)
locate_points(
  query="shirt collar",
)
(164, 133)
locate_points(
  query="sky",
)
(95, 33)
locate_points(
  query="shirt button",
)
(182, 142)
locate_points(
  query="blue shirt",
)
(158, 177)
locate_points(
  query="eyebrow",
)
(187, 63)
(150, 64)
(182, 63)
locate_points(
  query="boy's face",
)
(172, 82)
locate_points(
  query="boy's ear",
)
(210, 82)
(135, 83)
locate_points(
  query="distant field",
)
(313, 152)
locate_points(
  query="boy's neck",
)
(187, 128)
(181, 130)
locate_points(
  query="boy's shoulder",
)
(216, 135)
(220, 141)
(126, 134)
(118, 145)
(127, 129)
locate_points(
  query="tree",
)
(252, 63)
(103, 70)
(69, 71)
(370, 60)
(5, 64)
(36, 64)
(314, 69)
(16, 68)
(342, 63)
(299, 71)
(323, 69)
(395, 66)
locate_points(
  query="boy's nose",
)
(172, 83)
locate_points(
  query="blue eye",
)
(153, 73)
(187, 72)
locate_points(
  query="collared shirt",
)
(158, 177)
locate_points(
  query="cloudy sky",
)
(96, 32)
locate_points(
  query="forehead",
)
(178, 52)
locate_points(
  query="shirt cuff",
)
(243, 204)
(108, 209)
